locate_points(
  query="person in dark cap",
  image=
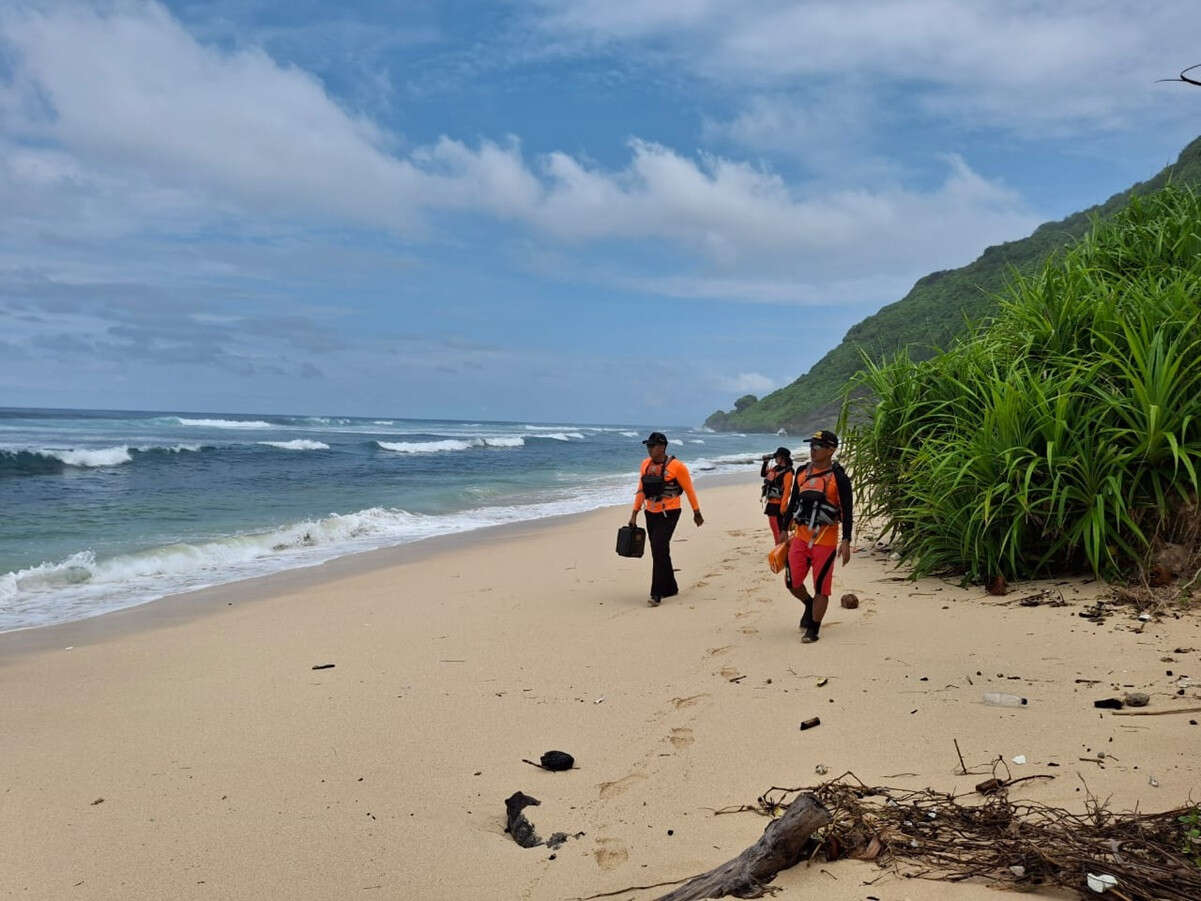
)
(820, 507)
(777, 487)
(661, 481)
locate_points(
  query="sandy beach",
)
(188, 749)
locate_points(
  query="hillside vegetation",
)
(933, 314)
(1065, 434)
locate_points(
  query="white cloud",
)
(782, 291)
(1067, 64)
(747, 383)
(733, 213)
(815, 127)
(133, 90)
(145, 123)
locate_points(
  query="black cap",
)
(823, 438)
(783, 452)
(655, 438)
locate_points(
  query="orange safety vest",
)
(818, 492)
(666, 497)
(777, 486)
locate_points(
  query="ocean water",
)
(101, 510)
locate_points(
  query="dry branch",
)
(1156, 712)
(1017, 844)
(782, 845)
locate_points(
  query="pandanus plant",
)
(1062, 434)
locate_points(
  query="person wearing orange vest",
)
(777, 487)
(661, 481)
(820, 503)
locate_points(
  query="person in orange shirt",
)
(661, 481)
(777, 487)
(821, 501)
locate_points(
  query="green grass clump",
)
(1191, 835)
(1065, 433)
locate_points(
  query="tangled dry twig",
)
(935, 835)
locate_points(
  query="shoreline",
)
(206, 757)
(180, 607)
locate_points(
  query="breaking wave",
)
(81, 585)
(297, 444)
(49, 460)
(739, 459)
(82, 580)
(504, 441)
(46, 461)
(449, 444)
(223, 423)
(709, 464)
(93, 457)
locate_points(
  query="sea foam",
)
(738, 459)
(424, 447)
(224, 423)
(81, 585)
(89, 457)
(297, 444)
(48, 460)
(449, 444)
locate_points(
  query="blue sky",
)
(588, 210)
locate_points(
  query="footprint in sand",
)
(680, 703)
(716, 652)
(681, 738)
(613, 789)
(749, 630)
(701, 584)
(610, 853)
(728, 672)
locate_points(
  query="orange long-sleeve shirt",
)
(674, 470)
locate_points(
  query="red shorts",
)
(774, 522)
(819, 558)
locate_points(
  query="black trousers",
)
(659, 529)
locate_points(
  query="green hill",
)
(932, 314)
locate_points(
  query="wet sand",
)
(229, 768)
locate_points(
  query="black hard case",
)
(631, 541)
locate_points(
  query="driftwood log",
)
(782, 845)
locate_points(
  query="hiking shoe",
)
(653, 600)
(809, 637)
